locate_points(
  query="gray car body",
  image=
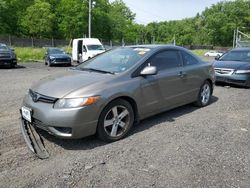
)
(148, 95)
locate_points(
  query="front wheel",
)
(49, 64)
(115, 121)
(204, 95)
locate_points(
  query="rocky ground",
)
(184, 147)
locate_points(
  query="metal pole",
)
(234, 39)
(237, 37)
(89, 18)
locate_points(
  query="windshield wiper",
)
(97, 70)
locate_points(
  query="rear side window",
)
(166, 60)
(188, 59)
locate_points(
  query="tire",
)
(12, 65)
(115, 121)
(204, 95)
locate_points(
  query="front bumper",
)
(7, 62)
(60, 61)
(65, 123)
(237, 79)
(33, 140)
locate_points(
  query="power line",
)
(145, 11)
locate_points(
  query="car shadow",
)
(20, 67)
(10, 68)
(228, 85)
(167, 116)
(93, 142)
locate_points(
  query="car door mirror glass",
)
(217, 57)
(148, 70)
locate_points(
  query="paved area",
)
(184, 147)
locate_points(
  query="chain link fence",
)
(32, 42)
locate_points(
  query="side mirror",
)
(149, 70)
(217, 57)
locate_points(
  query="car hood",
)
(60, 55)
(231, 64)
(62, 84)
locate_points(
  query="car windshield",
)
(95, 47)
(56, 51)
(115, 61)
(236, 56)
(3, 48)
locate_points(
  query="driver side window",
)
(167, 59)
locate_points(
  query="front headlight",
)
(52, 57)
(75, 102)
(242, 72)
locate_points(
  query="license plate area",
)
(26, 113)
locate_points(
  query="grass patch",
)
(27, 54)
(199, 52)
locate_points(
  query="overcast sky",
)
(162, 10)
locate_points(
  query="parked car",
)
(214, 53)
(7, 56)
(110, 92)
(57, 56)
(234, 67)
(86, 48)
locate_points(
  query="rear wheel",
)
(204, 96)
(115, 121)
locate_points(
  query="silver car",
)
(106, 95)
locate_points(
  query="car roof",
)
(156, 46)
(241, 49)
(2, 44)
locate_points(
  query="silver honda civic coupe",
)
(107, 94)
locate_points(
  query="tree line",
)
(67, 19)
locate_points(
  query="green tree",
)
(38, 19)
(72, 18)
(121, 18)
(11, 12)
(3, 10)
(101, 27)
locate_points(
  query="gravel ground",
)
(184, 147)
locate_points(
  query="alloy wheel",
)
(117, 121)
(205, 94)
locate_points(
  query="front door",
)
(165, 89)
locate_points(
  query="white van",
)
(86, 48)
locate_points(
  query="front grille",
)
(5, 57)
(66, 130)
(37, 123)
(36, 97)
(40, 124)
(61, 60)
(236, 81)
(224, 71)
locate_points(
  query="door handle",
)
(182, 74)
